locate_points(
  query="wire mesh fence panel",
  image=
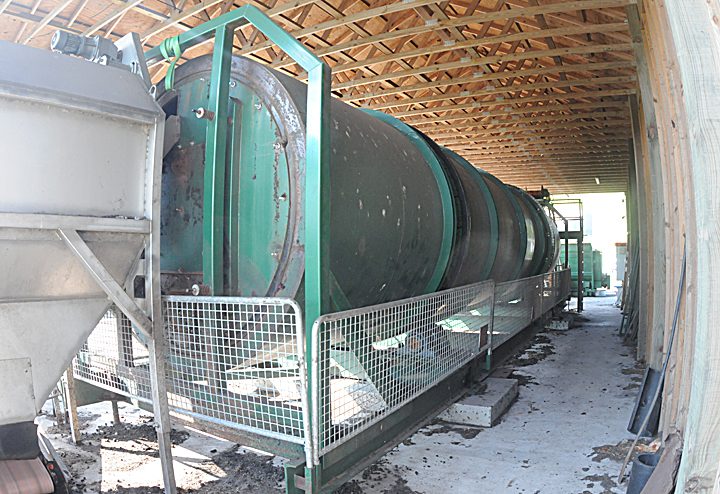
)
(517, 304)
(556, 288)
(550, 290)
(238, 362)
(114, 358)
(565, 280)
(369, 362)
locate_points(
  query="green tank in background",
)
(593, 277)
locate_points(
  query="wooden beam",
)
(480, 77)
(594, 81)
(343, 21)
(694, 34)
(536, 175)
(541, 153)
(573, 163)
(502, 101)
(447, 140)
(514, 120)
(607, 171)
(510, 149)
(482, 18)
(178, 17)
(485, 41)
(534, 128)
(119, 12)
(35, 19)
(463, 62)
(4, 5)
(507, 146)
(656, 317)
(512, 111)
(81, 6)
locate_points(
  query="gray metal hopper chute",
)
(78, 197)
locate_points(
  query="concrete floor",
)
(564, 434)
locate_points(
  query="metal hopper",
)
(78, 194)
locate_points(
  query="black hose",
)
(664, 366)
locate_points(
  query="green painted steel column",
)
(215, 161)
(317, 224)
(317, 204)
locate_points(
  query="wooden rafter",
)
(532, 90)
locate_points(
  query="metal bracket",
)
(105, 280)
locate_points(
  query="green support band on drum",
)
(492, 210)
(537, 265)
(518, 215)
(443, 186)
(523, 229)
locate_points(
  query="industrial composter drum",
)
(407, 217)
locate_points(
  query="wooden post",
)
(71, 403)
(115, 412)
(695, 35)
(644, 277)
(656, 331)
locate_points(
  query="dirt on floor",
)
(440, 427)
(123, 459)
(117, 458)
(582, 377)
(540, 349)
(618, 452)
(381, 478)
(237, 472)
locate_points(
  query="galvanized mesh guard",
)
(238, 362)
(369, 362)
(519, 303)
(113, 358)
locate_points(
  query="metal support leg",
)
(153, 328)
(71, 403)
(161, 409)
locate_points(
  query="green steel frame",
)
(317, 158)
(366, 447)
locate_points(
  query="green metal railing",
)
(439, 385)
(317, 157)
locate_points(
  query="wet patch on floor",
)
(440, 427)
(636, 374)
(638, 370)
(606, 482)
(522, 379)
(541, 348)
(617, 452)
(382, 478)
